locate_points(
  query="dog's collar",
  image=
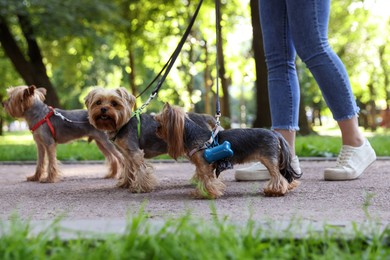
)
(46, 120)
(197, 149)
(112, 139)
(138, 116)
(207, 144)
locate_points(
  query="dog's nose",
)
(103, 110)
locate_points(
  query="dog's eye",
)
(114, 104)
(99, 102)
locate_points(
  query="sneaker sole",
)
(252, 176)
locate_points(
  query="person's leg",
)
(290, 138)
(280, 55)
(308, 21)
(350, 132)
(283, 83)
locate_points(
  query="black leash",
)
(167, 67)
(215, 153)
(217, 32)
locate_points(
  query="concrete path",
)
(86, 201)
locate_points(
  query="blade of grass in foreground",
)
(188, 238)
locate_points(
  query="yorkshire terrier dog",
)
(51, 126)
(184, 137)
(134, 136)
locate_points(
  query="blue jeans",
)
(300, 27)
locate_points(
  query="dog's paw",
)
(49, 180)
(33, 178)
(293, 184)
(276, 188)
(199, 194)
(122, 183)
(110, 175)
(140, 189)
(274, 193)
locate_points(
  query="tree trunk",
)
(263, 115)
(33, 71)
(132, 73)
(207, 81)
(190, 84)
(383, 62)
(1, 118)
(372, 107)
(126, 15)
(304, 125)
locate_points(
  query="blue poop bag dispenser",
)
(218, 152)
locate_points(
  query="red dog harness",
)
(46, 120)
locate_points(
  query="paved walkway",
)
(88, 202)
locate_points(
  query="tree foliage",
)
(111, 43)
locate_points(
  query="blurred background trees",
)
(70, 46)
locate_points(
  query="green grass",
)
(20, 146)
(329, 146)
(188, 238)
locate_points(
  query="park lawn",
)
(20, 146)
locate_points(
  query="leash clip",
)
(56, 113)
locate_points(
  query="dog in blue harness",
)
(185, 138)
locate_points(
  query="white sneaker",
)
(295, 165)
(258, 172)
(351, 162)
(255, 172)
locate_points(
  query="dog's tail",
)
(285, 160)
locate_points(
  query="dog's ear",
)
(167, 107)
(131, 100)
(122, 92)
(89, 98)
(29, 91)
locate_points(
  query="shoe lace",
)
(344, 157)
